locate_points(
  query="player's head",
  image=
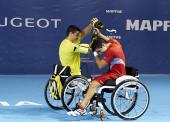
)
(99, 45)
(73, 33)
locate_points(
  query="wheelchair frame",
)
(98, 97)
(119, 81)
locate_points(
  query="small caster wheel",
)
(93, 111)
(103, 117)
(94, 114)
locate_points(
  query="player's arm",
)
(81, 48)
(101, 35)
(100, 62)
(86, 31)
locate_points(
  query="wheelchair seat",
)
(110, 82)
(130, 71)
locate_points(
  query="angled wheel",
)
(130, 99)
(54, 104)
(74, 91)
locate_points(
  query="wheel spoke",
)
(130, 105)
(74, 95)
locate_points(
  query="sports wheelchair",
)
(50, 90)
(51, 94)
(125, 97)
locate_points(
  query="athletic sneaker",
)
(77, 111)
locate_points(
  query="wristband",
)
(95, 54)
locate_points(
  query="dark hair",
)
(97, 43)
(73, 29)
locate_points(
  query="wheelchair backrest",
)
(63, 71)
(131, 71)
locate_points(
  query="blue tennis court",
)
(22, 100)
(31, 32)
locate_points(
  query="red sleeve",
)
(112, 40)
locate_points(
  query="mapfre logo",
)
(112, 35)
(149, 25)
(114, 11)
(115, 37)
(28, 22)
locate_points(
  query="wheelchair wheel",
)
(130, 99)
(73, 91)
(106, 104)
(54, 104)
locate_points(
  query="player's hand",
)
(93, 21)
(96, 30)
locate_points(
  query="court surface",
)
(22, 100)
